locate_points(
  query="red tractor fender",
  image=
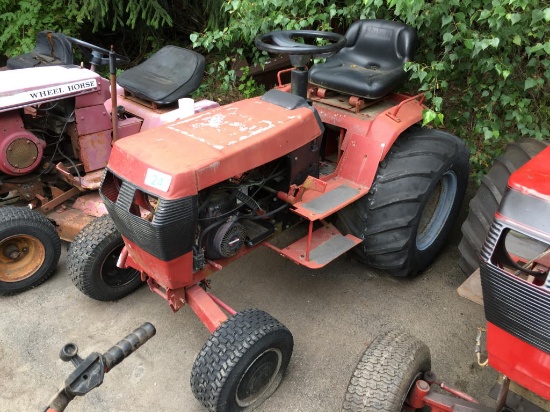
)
(366, 143)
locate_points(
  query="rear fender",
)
(363, 153)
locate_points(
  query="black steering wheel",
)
(284, 42)
(100, 56)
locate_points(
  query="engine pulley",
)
(226, 241)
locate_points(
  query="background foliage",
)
(483, 63)
(135, 27)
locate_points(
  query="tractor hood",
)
(526, 203)
(184, 157)
(24, 87)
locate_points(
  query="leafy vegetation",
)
(136, 27)
(21, 20)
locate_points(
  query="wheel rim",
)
(258, 377)
(21, 256)
(111, 274)
(436, 210)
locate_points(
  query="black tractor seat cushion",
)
(168, 75)
(51, 49)
(371, 64)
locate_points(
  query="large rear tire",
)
(29, 249)
(242, 363)
(92, 259)
(408, 214)
(386, 372)
(484, 204)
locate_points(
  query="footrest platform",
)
(325, 245)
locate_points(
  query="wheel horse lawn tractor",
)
(515, 266)
(336, 150)
(56, 135)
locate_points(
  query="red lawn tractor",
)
(337, 150)
(515, 266)
(56, 135)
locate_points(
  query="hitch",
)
(90, 372)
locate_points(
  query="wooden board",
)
(471, 288)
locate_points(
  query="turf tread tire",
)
(90, 245)
(388, 217)
(214, 369)
(485, 202)
(23, 221)
(385, 372)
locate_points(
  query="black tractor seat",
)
(371, 64)
(168, 75)
(51, 49)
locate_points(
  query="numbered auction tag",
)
(158, 180)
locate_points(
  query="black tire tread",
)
(83, 251)
(13, 216)
(385, 371)
(403, 177)
(223, 350)
(485, 202)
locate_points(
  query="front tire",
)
(242, 363)
(29, 249)
(408, 214)
(92, 258)
(386, 373)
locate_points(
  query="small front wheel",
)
(92, 260)
(242, 363)
(29, 249)
(386, 372)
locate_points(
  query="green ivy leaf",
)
(235, 4)
(529, 83)
(514, 18)
(537, 15)
(446, 20)
(422, 75)
(428, 116)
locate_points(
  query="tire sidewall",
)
(52, 246)
(226, 356)
(87, 253)
(386, 372)
(419, 257)
(95, 265)
(421, 364)
(270, 341)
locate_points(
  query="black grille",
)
(168, 236)
(520, 308)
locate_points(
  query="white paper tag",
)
(158, 180)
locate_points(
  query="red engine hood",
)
(183, 157)
(533, 178)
